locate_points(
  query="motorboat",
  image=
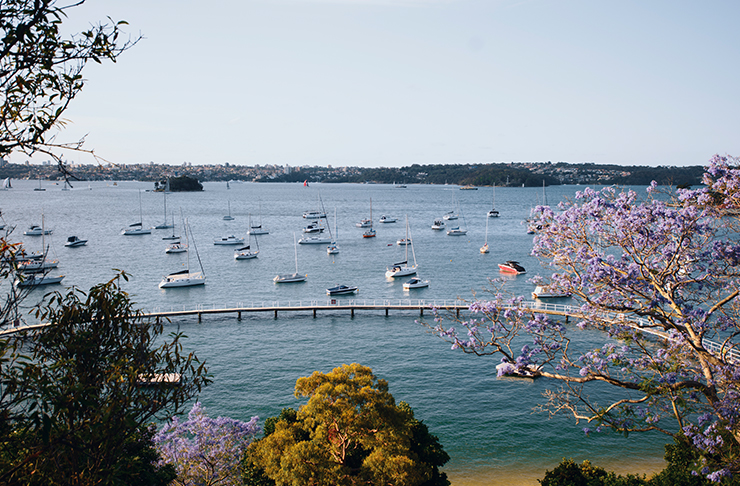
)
(468, 188)
(176, 247)
(365, 223)
(450, 216)
(314, 240)
(314, 214)
(386, 219)
(341, 290)
(318, 213)
(291, 277)
(541, 292)
(314, 227)
(438, 225)
(185, 278)
(415, 283)
(509, 370)
(36, 230)
(229, 240)
(403, 241)
(74, 242)
(38, 280)
(511, 267)
(456, 231)
(403, 269)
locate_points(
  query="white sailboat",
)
(173, 236)
(165, 225)
(37, 269)
(457, 230)
(493, 213)
(294, 277)
(484, 248)
(403, 269)
(185, 278)
(137, 228)
(370, 233)
(257, 229)
(247, 253)
(451, 215)
(229, 217)
(333, 249)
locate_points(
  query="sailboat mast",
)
(295, 250)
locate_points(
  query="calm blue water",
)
(486, 424)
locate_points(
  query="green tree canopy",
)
(350, 432)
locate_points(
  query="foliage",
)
(660, 279)
(205, 451)
(350, 432)
(568, 473)
(41, 71)
(72, 408)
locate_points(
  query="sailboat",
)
(185, 278)
(229, 217)
(484, 248)
(39, 188)
(456, 230)
(165, 225)
(451, 215)
(315, 214)
(316, 240)
(402, 269)
(294, 277)
(173, 236)
(257, 229)
(492, 213)
(333, 249)
(6, 184)
(370, 233)
(136, 229)
(246, 253)
(41, 266)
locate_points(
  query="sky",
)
(390, 83)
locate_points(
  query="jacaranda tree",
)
(659, 277)
(205, 451)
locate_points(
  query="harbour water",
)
(487, 425)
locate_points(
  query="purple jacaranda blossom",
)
(658, 276)
(204, 450)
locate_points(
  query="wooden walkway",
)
(351, 306)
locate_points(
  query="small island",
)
(178, 184)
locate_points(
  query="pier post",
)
(352, 312)
(314, 313)
(200, 315)
(421, 312)
(275, 313)
(239, 316)
(457, 311)
(386, 312)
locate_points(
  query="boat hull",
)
(182, 280)
(290, 278)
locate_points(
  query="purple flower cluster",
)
(205, 450)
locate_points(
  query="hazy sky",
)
(398, 82)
